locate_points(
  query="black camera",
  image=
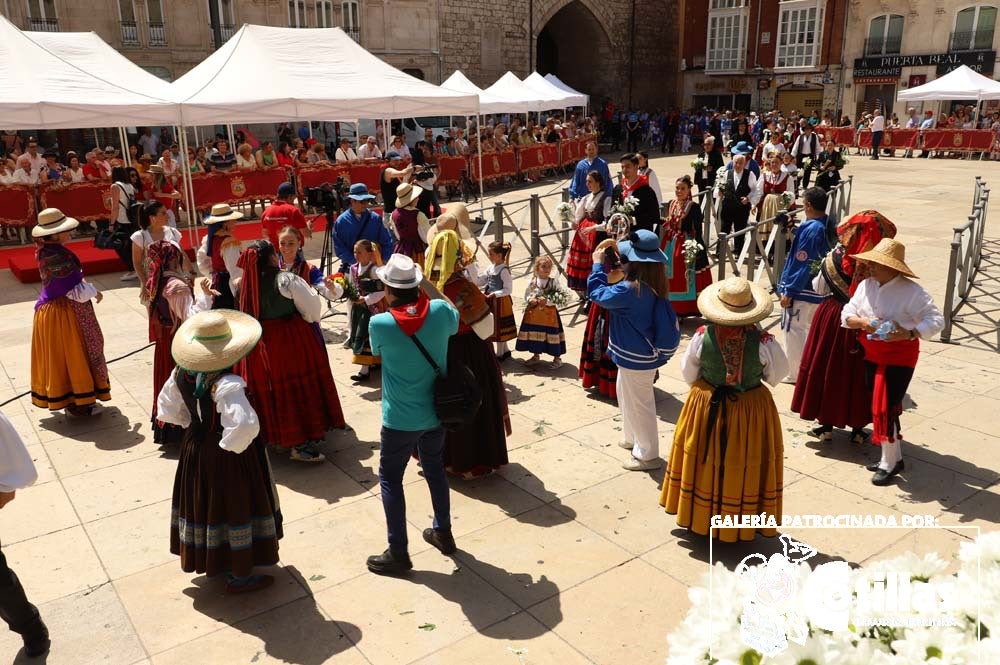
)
(423, 174)
(328, 196)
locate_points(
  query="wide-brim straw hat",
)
(455, 218)
(214, 340)
(222, 212)
(407, 193)
(52, 221)
(735, 302)
(889, 253)
(155, 169)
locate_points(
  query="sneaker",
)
(248, 584)
(642, 465)
(36, 642)
(442, 540)
(129, 276)
(307, 452)
(388, 563)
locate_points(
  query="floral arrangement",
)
(556, 297)
(626, 207)
(723, 187)
(787, 199)
(691, 249)
(940, 629)
(799, 173)
(351, 292)
(564, 211)
(807, 162)
(697, 164)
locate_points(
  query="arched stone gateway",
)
(575, 46)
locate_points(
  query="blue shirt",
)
(644, 333)
(809, 244)
(578, 188)
(407, 377)
(349, 228)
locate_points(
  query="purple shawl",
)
(60, 270)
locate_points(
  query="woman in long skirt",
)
(68, 370)
(687, 278)
(225, 517)
(727, 456)
(591, 213)
(597, 369)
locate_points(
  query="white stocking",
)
(892, 454)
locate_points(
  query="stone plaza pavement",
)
(563, 556)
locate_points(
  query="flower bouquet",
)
(697, 164)
(564, 211)
(350, 291)
(806, 162)
(772, 611)
(691, 249)
(723, 187)
(787, 199)
(556, 297)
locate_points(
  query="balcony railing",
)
(43, 24)
(354, 33)
(888, 46)
(130, 33)
(972, 40)
(157, 34)
(225, 32)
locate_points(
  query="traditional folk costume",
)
(68, 370)
(831, 386)
(372, 295)
(541, 329)
(481, 446)
(809, 244)
(218, 257)
(597, 369)
(646, 215)
(829, 162)
(225, 516)
(644, 336)
(727, 455)
(172, 300)
(687, 280)
(410, 223)
(288, 373)
(498, 284)
(704, 177)
(734, 213)
(771, 204)
(591, 211)
(889, 365)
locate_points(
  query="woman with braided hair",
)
(172, 300)
(288, 374)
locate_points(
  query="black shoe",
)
(361, 378)
(442, 540)
(858, 435)
(37, 643)
(874, 466)
(504, 356)
(882, 477)
(388, 563)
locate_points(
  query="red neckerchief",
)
(411, 317)
(628, 189)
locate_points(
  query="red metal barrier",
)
(17, 205)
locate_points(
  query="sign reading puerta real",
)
(889, 68)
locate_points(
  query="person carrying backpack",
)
(124, 219)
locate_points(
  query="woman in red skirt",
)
(172, 300)
(591, 212)
(830, 387)
(288, 373)
(597, 370)
(687, 278)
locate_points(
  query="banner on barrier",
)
(17, 205)
(450, 169)
(236, 186)
(314, 176)
(85, 201)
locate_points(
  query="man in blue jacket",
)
(359, 222)
(578, 188)
(798, 298)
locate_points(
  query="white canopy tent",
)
(312, 74)
(44, 87)
(961, 83)
(547, 89)
(488, 102)
(512, 89)
(557, 82)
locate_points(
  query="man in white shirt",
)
(913, 122)
(928, 123)
(370, 150)
(740, 192)
(148, 144)
(461, 145)
(877, 127)
(36, 160)
(345, 153)
(25, 175)
(806, 146)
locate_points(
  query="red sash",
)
(883, 354)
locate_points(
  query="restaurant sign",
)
(885, 67)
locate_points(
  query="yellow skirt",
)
(63, 372)
(504, 324)
(747, 482)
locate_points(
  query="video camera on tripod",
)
(328, 197)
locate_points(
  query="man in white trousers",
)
(798, 298)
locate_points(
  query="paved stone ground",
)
(564, 557)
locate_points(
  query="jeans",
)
(397, 447)
(20, 615)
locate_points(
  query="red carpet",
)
(21, 260)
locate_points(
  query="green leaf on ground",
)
(540, 427)
(317, 578)
(427, 626)
(403, 614)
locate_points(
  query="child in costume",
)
(409, 223)
(596, 366)
(541, 328)
(498, 284)
(219, 253)
(368, 303)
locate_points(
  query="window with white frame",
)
(974, 28)
(351, 19)
(727, 35)
(157, 24)
(324, 14)
(800, 33)
(297, 14)
(227, 18)
(42, 15)
(885, 35)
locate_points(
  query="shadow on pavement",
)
(533, 485)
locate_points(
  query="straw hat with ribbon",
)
(735, 302)
(406, 194)
(456, 218)
(221, 212)
(889, 253)
(215, 340)
(52, 221)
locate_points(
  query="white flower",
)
(939, 646)
(920, 568)
(631, 202)
(807, 162)
(564, 211)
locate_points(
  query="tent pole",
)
(186, 174)
(309, 123)
(124, 142)
(97, 140)
(197, 141)
(479, 153)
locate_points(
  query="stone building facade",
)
(585, 42)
